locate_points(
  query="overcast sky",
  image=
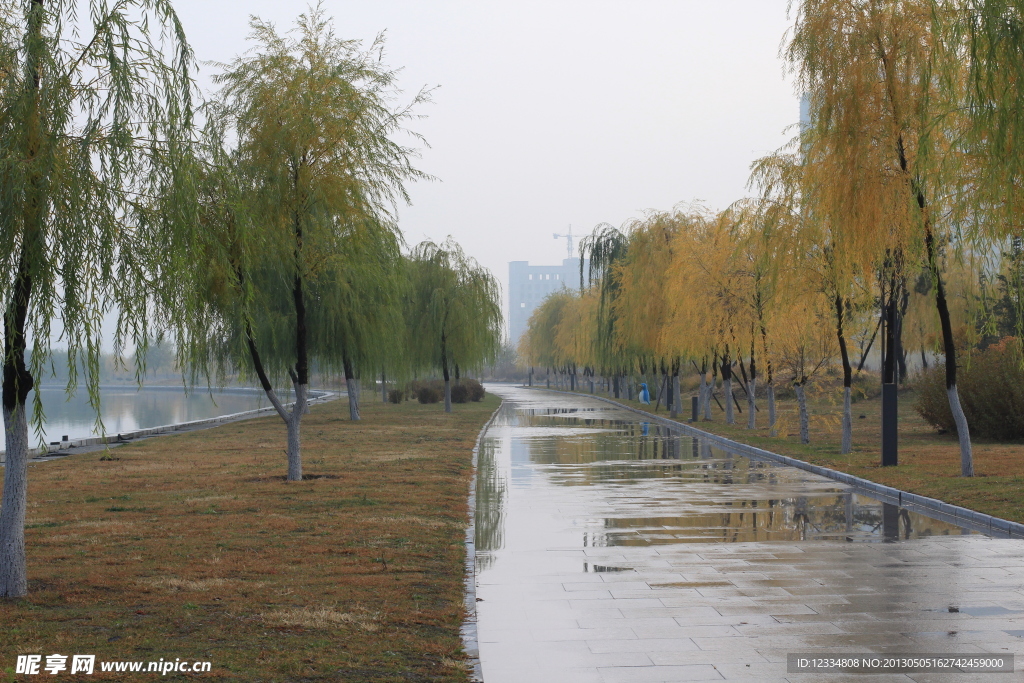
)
(558, 113)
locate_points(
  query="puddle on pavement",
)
(602, 477)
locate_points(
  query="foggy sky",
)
(559, 112)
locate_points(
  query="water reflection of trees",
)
(491, 490)
(711, 489)
(838, 517)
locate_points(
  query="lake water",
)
(124, 409)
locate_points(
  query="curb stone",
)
(946, 512)
(470, 638)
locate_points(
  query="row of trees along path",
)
(890, 210)
(263, 241)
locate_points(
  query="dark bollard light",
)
(693, 408)
(890, 405)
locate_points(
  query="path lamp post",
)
(890, 399)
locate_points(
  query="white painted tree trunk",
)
(292, 420)
(730, 418)
(702, 394)
(962, 432)
(675, 397)
(770, 392)
(294, 445)
(447, 396)
(707, 399)
(751, 405)
(13, 577)
(805, 429)
(847, 444)
(353, 397)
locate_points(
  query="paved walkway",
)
(610, 551)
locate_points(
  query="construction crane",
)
(568, 241)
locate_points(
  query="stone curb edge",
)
(971, 519)
(320, 397)
(470, 638)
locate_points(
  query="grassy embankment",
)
(194, 546)
(929, 461)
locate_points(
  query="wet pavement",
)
(610, 550)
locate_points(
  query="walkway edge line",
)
(947, 512)
(320, 397)
(470, 637)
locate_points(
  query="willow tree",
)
(304, 175)
(872, 68)
(643, 306)
(360, 312)
(600, 253)
(988, 36)
(453, 313)
(93, 113)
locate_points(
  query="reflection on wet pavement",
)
(609, 549)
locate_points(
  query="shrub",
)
(460, 393)
(428, 394)
(395, 396)
(991, 386)
(476, 390)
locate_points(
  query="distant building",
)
(528, 285)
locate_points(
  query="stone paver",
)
(608, 555)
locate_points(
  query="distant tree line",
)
(892, 220)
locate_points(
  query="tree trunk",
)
(847, 444)
(770, 393)
(751, 408)
(17, 383)
(17, 380)
(675, 393)
(949, 347)
(294, 444)
(353, 398)
(447, 376)
(801, 398)
(352, 389)
(383, 388)
(730, 417)
(847, 438)
(962, 432)
(13, 573)
(707, 398)
(702, 397)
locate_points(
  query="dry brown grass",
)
(194, 546)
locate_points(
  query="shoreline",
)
(56, 450)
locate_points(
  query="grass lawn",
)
(929, 461)
(194, 546)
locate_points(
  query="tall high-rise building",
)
(528, 285)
